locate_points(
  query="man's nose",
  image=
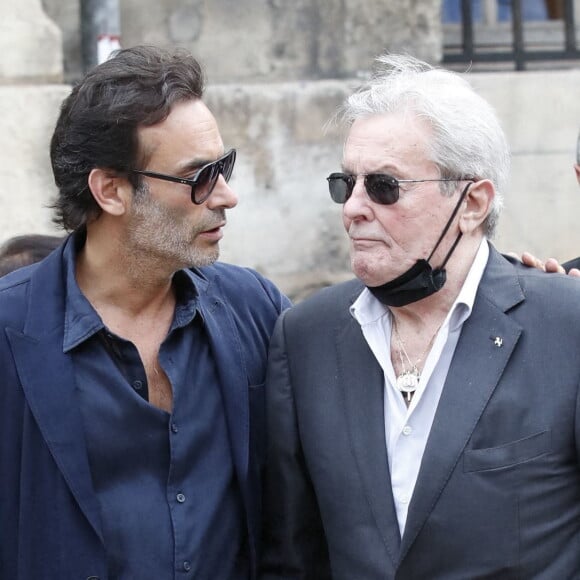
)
(222, 195)
(358, 204)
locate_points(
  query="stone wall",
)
(31, 59)
(30, 44)
(269, 40)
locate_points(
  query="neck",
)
(431, 311)
(109, 277)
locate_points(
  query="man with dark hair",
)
(132, 363)
(24, 250)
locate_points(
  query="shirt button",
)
(404, 499)
(187, 565)
(137, 385)
(407, 430)
(180, 497)
(174, 428)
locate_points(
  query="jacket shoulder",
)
(238, 284)
(17, 277)
(14, 291)
(327, 303)
(575, 263)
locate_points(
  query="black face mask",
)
(419, 281)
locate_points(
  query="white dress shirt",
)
(407, 428)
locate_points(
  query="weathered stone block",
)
(28, 117)
(30, 44)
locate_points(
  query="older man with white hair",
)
(424, 418)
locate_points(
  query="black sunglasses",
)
(381, 187)
(203, 181)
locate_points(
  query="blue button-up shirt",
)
(170, 505)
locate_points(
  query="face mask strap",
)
(447, 226)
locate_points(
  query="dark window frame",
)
(517, 50)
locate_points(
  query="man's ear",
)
(109, 190)
(477, 205)
(577, 170)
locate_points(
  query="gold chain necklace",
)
(407, 380)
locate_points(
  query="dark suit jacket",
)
(575, 263)
(498, 492)
(49, 514)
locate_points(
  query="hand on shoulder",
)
(551, 265)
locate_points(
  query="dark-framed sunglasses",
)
(204, 180)
(381, 187)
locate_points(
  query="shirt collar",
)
(81, 320)
(463, 305)
(367, 309)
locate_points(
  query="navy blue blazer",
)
(49, 513)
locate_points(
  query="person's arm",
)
(293, 541)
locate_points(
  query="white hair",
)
(468, 141)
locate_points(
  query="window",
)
(517, 33)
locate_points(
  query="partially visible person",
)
(577, 164)
(26, 249)
(551, 265)
(573, 266)
(423, 419)
(132, 363)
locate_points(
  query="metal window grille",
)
(519, 51)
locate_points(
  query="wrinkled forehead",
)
(377, 142)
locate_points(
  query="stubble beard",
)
(164, 238)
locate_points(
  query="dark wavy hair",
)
(98, 121)
(26, 249)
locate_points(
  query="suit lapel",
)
(475, 371)
(362, 381)
(48, 382)
(49, 386)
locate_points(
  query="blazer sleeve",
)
(293, 541)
